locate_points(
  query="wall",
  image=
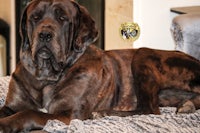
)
(154, 18)
(6, 16)
(116, 13)
(7, 12)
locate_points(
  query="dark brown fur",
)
(61, 73)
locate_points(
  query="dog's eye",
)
(62, 18)
(60, 14)
(36, 17)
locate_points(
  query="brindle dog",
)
(62, 74)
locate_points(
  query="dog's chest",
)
(47, 95)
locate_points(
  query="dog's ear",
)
(87, 32)
(23, 31)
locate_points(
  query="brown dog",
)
(62, 75)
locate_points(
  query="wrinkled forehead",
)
(50, 5)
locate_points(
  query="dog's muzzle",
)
(45, 36)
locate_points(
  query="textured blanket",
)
(167, 122)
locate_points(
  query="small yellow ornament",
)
(130, 31)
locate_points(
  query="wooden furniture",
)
(186, 10)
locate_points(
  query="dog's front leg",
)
(5, 111)
(28, 120)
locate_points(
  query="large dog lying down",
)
(64, 76)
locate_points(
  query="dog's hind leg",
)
(185, 101)
(186, 107)
(189, 106)
(147, 87)
(146, 67)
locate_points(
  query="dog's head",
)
(55, 33)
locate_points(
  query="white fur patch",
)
(43, 110)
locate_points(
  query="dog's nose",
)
(45, 36)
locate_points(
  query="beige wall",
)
(7, 12)
(5, 8)
(116, 13)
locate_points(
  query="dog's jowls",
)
(61, 73)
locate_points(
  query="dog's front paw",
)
(187, 107)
